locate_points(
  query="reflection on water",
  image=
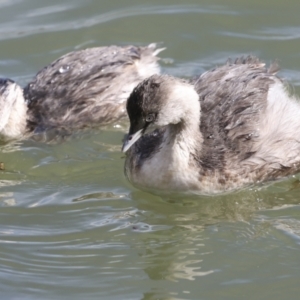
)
(7, 198)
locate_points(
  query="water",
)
(72, 227)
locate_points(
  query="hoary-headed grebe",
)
(233, 126)
(82, 88)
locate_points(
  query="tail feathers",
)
(156, 51)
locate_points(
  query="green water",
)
(72, 227)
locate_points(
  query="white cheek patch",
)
(13, 113)
(182, 104)
(6, 102)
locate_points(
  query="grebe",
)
(233, 126)
(82, 88)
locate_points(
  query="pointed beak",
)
(131, 139)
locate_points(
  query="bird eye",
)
(149, 118)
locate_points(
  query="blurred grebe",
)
(82, 88)
(233, 126)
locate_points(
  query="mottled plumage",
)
(234, 125)
(82, 88)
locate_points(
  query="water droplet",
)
(64, 69)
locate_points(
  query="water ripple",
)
(268, 34)
(12, 29)
(48, 10)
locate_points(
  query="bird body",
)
(80, 89)
(232, 126)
